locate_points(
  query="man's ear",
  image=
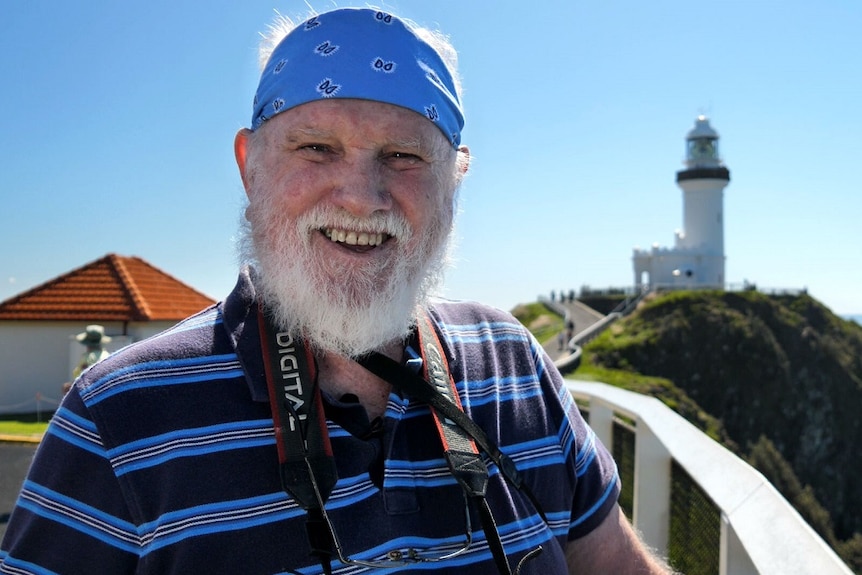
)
(464, 160)
(240, 150)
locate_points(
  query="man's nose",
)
(362, 188)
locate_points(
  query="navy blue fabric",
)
(162, 460)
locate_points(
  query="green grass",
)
(23, 429)
(542, 322)
(662, 389)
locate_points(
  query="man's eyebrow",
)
(428, 147)
(413, 143)
(304, 133)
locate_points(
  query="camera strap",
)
(459, 434)
(305, 453)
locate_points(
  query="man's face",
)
(350, 207)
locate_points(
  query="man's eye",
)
(315, 147)
(405, 157)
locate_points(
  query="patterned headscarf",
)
(364, 54)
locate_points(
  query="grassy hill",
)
(778, 379)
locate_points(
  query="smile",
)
(352, 238)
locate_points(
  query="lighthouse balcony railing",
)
(694, 501)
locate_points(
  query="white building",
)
(129, 297)
(697, 258)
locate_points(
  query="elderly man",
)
(328, 416)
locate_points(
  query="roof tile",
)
(113, 288)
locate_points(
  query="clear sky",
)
(118, 121)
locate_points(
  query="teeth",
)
(354, 238)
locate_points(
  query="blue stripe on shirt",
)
(76, 430)
(161, 373)
(609, 489)
(18, 567)
(102, 526)
(218, 517)
(191, 442)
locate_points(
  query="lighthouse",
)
(697, 258)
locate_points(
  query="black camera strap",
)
(304, 452)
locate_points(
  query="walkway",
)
(583, 316)
(15, 459)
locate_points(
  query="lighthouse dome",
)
(701, 129)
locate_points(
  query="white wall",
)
(37, 358)
(661, 264)
(703, 225)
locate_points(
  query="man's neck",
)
(339, 375)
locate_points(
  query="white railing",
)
(761, 533)
(42, 405)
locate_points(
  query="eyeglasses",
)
(395, 558)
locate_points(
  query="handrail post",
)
(602, 421)
(652, 488)
(733, 559)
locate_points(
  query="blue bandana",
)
(363, 54)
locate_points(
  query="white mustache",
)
(385, 224)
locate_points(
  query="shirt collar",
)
(239, 311)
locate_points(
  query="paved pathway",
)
(583, 316)
(15, 459)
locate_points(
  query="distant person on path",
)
(330, 415)
(570, 328)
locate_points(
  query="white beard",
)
(347, 311)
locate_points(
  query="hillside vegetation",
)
(778, 379)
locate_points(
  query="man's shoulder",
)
(468, 312)
(196, 336)
(476, 329)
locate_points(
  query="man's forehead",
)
(358, 119)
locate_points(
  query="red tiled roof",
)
(113, 288)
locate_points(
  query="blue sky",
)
(118, 121)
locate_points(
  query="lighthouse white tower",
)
(697, 259)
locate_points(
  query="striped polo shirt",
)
(162, 460)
